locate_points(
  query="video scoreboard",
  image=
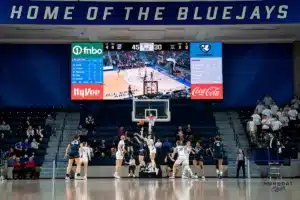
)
(145, 46)
(102, 71)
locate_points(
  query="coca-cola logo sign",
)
(209, 92)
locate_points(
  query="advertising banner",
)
(149, 13)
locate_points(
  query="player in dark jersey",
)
(118, 71)
(198, 159)
(218, 154)
(72, 152)
(169, 160)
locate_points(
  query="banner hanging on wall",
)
(149, 13)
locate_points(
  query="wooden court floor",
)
(149, 189)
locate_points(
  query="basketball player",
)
(85, 157)
(180, 150)
(150, 123)
(130, 94)
(142, 152)
(198, 159)
(218, 153)
(152, 151)
(73, 155)
(186, 164)
(170, 162)
(120, 155)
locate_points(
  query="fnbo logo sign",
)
(87, 49)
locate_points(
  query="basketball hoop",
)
(151, 120)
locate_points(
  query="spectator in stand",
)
(27, 123)
(82, 134)
(113, 150)
(276, 126)
(97, 152)
(26, 146)
(103, 147)
(49, 125)
(158, 144)
(252, 128)
(257, 120)
(274, 108)
(284, 120)
(188, 133)
(279, 113)
(121, 131)
(18, 170)
(267, 112)
(4, 126)
(293, 114)
(30, 167)
(34, 145)
(10, 154)
(30, 133)
(295, 102)
(39, 134)
(89, 123)
(19, 149)
(259, 107)
(266, 123)
(268, 100)
(286, 109)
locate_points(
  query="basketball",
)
(141, 122)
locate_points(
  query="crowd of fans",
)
(21, 155)
(270, 125)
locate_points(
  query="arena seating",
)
(16, 119)
(261, 154)
(119, 114)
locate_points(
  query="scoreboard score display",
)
(115, 71)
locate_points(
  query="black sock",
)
(78, 174)
(67, 175)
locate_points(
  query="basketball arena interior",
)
(165, 99)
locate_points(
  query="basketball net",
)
(151, 120)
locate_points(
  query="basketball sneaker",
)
(184, 177)
(156, 171)
(67, 178)
(172, 177)
(194, 176)
(116, 175)
(203, 178)
(84, 178)
(78, 177)
(133, 175)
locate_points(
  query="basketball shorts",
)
(152, 150)
(180, 160)
(84, 159)
(73, 156)
(119, 155)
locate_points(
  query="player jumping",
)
(152, 150)
(218, 153)
(120, 155)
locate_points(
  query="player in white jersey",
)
(180, 150)
(152, 150)
(186, 163)
(85, 157)
(120, 155)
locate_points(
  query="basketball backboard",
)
(160, 108)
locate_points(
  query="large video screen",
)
(115, 71)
